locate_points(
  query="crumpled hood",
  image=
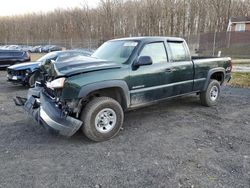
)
(85, 64)
(24, 66)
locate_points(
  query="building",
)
(238, 24)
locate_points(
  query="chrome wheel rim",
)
(214, 92)
(105, 120)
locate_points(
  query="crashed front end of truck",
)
(45, 104)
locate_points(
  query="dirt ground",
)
(178, 143)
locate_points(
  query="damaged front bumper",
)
(45, 112)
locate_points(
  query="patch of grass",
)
(36, 56)
(241, 61)
(240, 80)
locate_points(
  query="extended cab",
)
(92, 93)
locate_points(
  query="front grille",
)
(16, 72)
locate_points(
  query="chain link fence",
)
(66, 43)
(232, 44)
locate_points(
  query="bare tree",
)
(121, 18)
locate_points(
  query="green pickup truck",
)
(92, 93)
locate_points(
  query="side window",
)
(178, 51)
(240, 27)
(156, 51)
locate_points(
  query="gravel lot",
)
(178, 143)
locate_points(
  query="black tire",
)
(95, 109)
(25, 84)
(33, 77)
(31, 80)
(207, 97)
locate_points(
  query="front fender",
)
(106, 84)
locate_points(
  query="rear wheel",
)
(102, 118)
(211, 96)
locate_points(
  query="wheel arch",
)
(116, 89)
(217, 74)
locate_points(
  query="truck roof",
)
(150, 38)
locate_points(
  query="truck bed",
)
(203, 57)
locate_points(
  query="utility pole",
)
(214, 42)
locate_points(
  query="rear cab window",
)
(178, 51)
(156, 51)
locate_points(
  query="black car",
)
(22, 73)
(11, 57)
(51, 48)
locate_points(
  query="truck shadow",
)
(164, 109)
(30, 132)
(179, 102)
(135, 119)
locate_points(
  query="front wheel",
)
(102, 118)
(211, 96)
(33, 77)
(31, 80)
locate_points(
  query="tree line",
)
(123, 18)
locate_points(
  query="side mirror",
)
(144, 60)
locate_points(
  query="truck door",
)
(181, 68)
(146, 82)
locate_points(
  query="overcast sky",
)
(14, 7)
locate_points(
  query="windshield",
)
(117, 51)
(50, 56)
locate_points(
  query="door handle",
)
(169, 70)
